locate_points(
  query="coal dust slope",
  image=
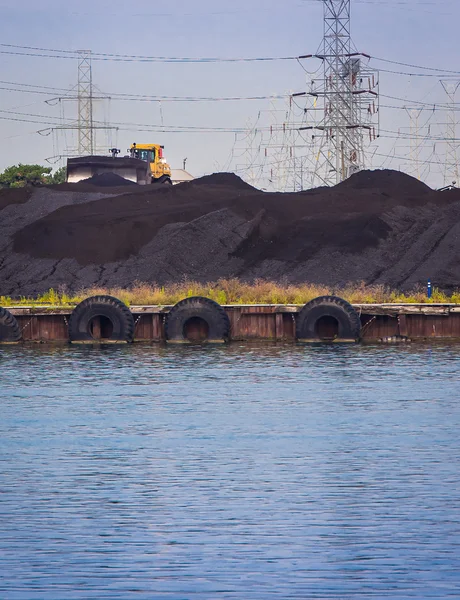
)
(377, 227)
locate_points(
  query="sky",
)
(416, 32)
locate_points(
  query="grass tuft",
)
(234, 291)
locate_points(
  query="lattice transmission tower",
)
(84, 124)
(85, 104)
(415, 140)
(350, 98)
(451, 170)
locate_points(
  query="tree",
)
(59, 176)
(23, 175)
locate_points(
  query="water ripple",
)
(248, 471)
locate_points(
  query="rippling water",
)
(236, 472)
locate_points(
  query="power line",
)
(65, 94)
(437, 75)
(36, 51)
(73, 55)
(31, 85)
(46, 120)
(41, 89)
(158, 98)
(411, 66)
(21, 114)
(146, 98)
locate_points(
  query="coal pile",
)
(14, 196)
(377, 227)
(224, 179)
(108, 180)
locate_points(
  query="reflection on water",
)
(248, 471)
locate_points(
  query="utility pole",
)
(350, 92)
(451, 171)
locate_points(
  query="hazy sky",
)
(419, 32)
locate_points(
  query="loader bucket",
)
(132, 169)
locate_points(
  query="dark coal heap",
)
(377, 227)
(107, 180)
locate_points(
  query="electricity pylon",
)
(350, 92)
(451, 170)
(85, 104)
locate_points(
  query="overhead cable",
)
(74, 54)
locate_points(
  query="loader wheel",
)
(197, 320)
(9, 328)
(328, 319)
(163, 179)
(103, 319)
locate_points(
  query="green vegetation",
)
(59, 176)
(21, 175)
(234, 291)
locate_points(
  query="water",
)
(242, 472)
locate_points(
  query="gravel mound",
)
(376, 227)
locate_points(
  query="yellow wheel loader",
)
(143, 165)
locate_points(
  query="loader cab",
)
(147, 154)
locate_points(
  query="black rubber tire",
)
(197, 307)
(101, 306)
(9, 327)
(349, 323)
(165, 179)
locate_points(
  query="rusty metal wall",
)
(379, 326)
(430, 326)
(260, 322)
(148, 327)
(44, 328)
(248, 325)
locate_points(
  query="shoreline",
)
(390, 323)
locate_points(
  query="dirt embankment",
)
(377, 227)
